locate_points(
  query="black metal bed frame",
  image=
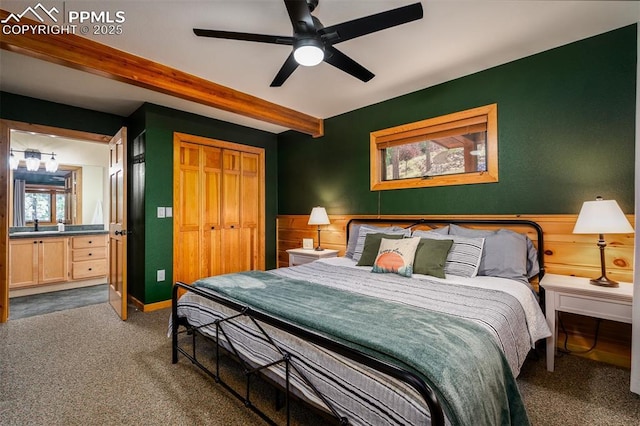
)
(407, 377)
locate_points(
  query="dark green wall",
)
(565, 127)
(151, 129)
(160, 124)
(36, 111)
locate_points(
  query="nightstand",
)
(574, 294)
(300, 256)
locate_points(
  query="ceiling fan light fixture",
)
(308, 52)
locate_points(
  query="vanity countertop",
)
(52, 231)
(71, 233)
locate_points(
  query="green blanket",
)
(456, 357)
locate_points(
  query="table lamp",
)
(602, 217)
(318, 217)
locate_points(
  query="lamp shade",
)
(52, 164)
(32, 158)
(14, 162)
(318, 216)
(602, 217)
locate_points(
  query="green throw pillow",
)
(431, 256)
(372, 245)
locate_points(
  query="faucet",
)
(35, 224)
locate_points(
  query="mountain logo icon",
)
(38, 11)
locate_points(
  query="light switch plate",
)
(161, 212)
(160, 274)
(168, 211)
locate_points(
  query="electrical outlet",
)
(160, 274)
(161, 212)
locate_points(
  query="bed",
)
(438, 342)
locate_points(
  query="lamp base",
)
(603, 281)
(318, 248)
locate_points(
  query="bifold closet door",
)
(250, 209)
(211, 201)
(240, 205)
(232, 198)
(217, 219)
(189, 251)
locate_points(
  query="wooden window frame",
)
(408, 133)
(52, 192)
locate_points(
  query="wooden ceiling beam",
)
(86, 55)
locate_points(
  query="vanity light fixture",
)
(32, 159)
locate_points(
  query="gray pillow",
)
(443, 230)
(533, 268)
(353, 236)
(367, 229)
(353, 239)
(506, 253)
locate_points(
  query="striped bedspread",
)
(365, 396)
(507, 309)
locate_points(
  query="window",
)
(454, 149)
(48, 206)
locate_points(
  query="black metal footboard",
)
(407, 377)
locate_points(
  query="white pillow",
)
(396, 256)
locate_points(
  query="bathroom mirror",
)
(75, 193)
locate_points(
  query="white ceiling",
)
(455, 38)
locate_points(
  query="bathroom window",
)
(48, 206)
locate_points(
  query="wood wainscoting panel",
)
(565, 253)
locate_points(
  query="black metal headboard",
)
(410, 223)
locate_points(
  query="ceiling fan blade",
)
(300, 16)
(231, 35)
(287, 69)
(370, 24)
(341, 61)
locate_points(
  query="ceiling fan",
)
(313, 43)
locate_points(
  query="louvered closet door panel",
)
(188, 215)
(212, 176)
